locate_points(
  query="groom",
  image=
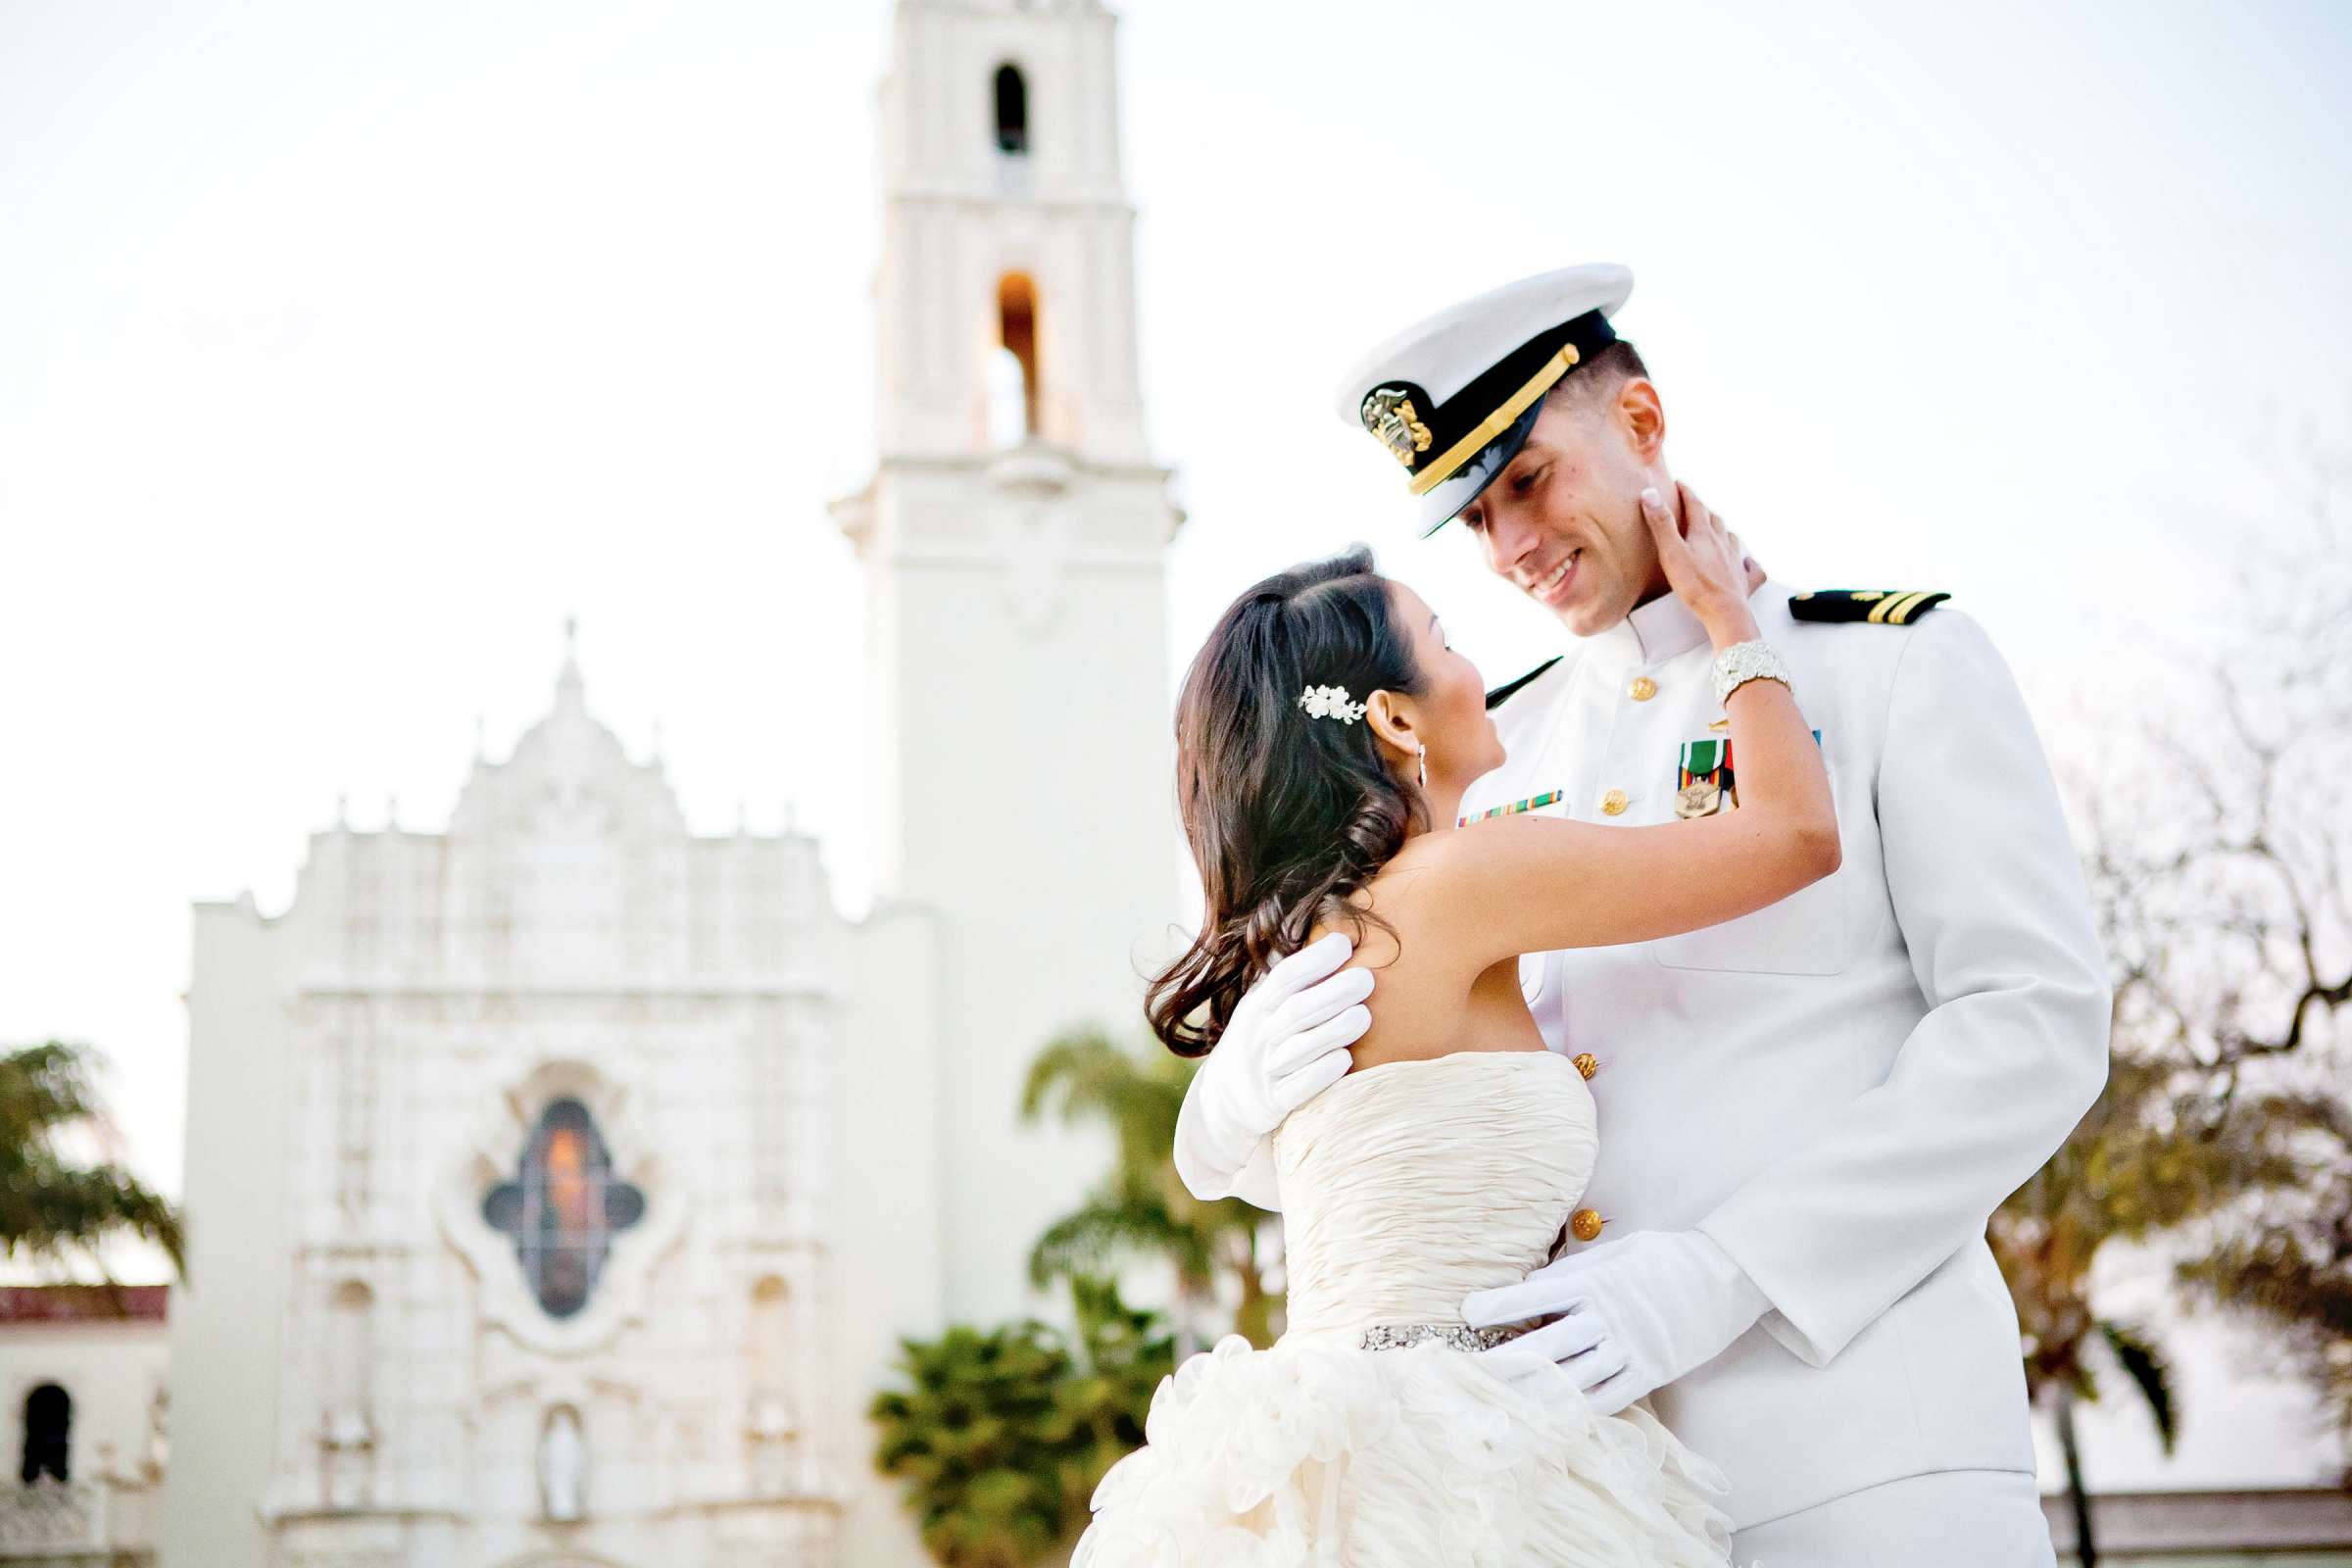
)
(1807, 1115)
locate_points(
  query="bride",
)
(1449, 1156)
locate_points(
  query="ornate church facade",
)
(535, 1105)
(561, 1181)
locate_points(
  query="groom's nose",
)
(1509, 537)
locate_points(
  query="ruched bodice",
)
(1408, 1185)
(1405, 1187)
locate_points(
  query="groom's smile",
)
(1561, 521)
(1552, 587)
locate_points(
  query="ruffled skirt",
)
(1323, 1453)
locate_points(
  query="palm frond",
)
(1091, 1238)
(2145, 1362)
(50, 1207)
(43, 1088)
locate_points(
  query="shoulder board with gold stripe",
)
(1503, 692)
(1880, 606)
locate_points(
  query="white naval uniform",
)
(1841, 1087)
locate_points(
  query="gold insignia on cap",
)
(1390, 414)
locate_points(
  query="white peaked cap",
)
(1453, 397)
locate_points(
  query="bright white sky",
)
(345, 350)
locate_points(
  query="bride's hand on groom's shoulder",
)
(1705, 565)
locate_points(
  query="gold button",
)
(1585, 1224)
(1643, 689)
(1613, 803)
(1586, 1062)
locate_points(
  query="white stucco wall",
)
(114, 1371)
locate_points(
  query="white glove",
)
(1288, 1043)
(1641, 1312)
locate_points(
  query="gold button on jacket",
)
(1643, 689)
(1614, 803)
(1586, 1062)
(1584, 1223)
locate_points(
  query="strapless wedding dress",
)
(1405, 1187)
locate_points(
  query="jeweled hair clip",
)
(1330, 701)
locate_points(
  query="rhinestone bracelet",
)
(1735, 666)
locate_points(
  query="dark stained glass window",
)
(563, 1208)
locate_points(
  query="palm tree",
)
(973, 1437)
(1002, 1434)
(1141, 1209)
(2152, 1154)
(1123, 1352)
(52, 1207)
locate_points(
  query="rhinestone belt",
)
(1453, 1336)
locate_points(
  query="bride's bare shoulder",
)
(1428, 1002)
(1429, 867)
(1408, 897)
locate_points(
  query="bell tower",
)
(1014, 536)
(1008, 261)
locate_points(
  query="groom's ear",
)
(1642, 418)
(1391, 719)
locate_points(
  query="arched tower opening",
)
(48, 1435)
(1016, 333)
(771, 1336)
(350, 1355)
(1013, 111)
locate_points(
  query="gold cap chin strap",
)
(1494, 424)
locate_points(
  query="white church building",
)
(559, 1183)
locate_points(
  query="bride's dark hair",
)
(1286, 813)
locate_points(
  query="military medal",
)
(1702, 775)
(1699, 800)
(1702, 778)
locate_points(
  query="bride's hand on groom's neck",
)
(1704, 563)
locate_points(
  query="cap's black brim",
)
(1464, 486)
